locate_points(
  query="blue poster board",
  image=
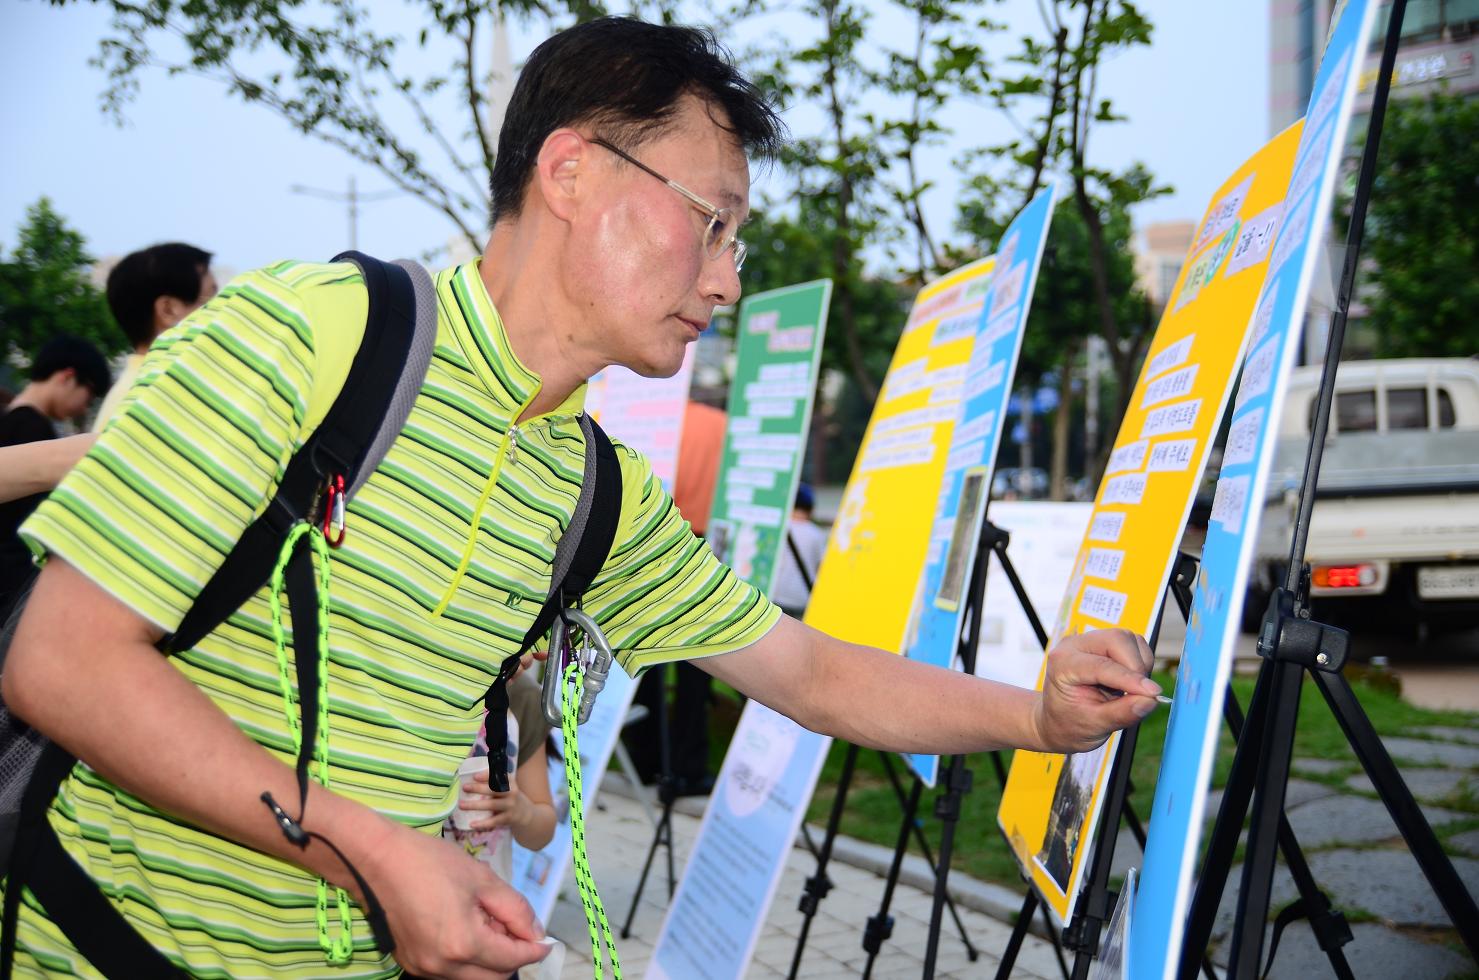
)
(758, 801)
(1158, 924)
(938, 606)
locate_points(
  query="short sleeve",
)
(662, 595)
(198, 446)
(524, 696)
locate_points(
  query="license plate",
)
(1447, 582)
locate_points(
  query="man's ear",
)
(168, 311)
(562, 161)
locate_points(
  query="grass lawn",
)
(873, 812)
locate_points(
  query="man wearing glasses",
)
(621, 182)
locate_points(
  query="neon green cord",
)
(595, 912)
(336, 951)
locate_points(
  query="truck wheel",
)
(1255, 604)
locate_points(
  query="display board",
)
(874, 557)
(647, 415)
(1051, 803)
(644, 413)
(940, 597)
(1179, 809)
(768, 775)
(778, 350)
(1113, 962)
(1045, 539)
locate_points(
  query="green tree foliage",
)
(45, 291)
(1053, 83)
(857, 175)
(1422, 230)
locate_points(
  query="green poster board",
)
(778, 347)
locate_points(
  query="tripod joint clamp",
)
(1289, 635)
(1082, 933)
(993, 537)
(957, 784)
(817, 887)
(878, 930)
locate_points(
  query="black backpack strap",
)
(586, 543)
(382, 370)
(579, 555)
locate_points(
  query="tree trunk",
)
(1058, 488)
(842, 247)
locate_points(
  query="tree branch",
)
(475, 96)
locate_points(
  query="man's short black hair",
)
(627, 76)
(85, 360)
(170, 269)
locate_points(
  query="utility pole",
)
(352, 199)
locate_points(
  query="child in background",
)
(486, 823)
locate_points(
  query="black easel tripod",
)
(1291, 644)
(819, 884)
(667, 793)
(1097, 903)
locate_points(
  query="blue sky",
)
(197, 165)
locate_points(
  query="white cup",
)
(471, 766)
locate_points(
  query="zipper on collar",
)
(508, 449)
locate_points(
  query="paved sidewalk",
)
(618, 837)
(1400, 929)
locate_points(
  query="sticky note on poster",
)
(1050, 808)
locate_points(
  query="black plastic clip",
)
(1288, 634)
(879, 930)
(291, 829)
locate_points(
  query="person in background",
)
(699, 449)
(492, 821)
(66, 376)
(801, 556)
(37, 467)
(150, 291)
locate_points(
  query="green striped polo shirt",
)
(444, 566)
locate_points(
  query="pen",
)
(1111, 692)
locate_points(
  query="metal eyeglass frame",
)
(716, 243)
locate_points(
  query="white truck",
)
(1394, 536)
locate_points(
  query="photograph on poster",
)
(1112, 963)
(962, 540)
(1069, 810)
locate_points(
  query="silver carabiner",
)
(594, 659)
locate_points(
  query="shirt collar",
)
(484, 341)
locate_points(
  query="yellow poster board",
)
(874, 557)
(1051, 803)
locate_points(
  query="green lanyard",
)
(595, 913)
(336, 951)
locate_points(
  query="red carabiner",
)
(334, 512)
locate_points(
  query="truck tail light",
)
(1344, 576)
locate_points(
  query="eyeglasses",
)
(723, 227)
